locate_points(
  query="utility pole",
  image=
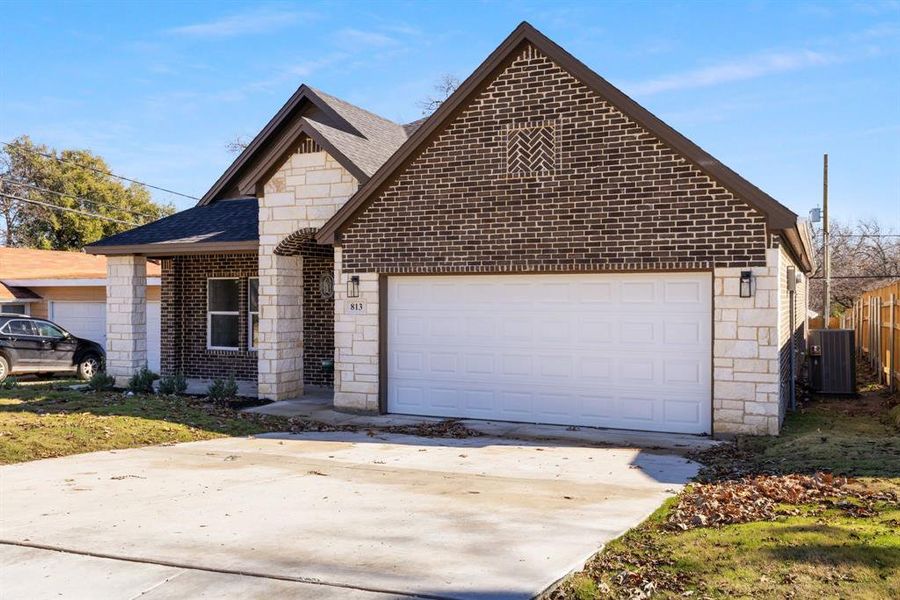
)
(826, 315)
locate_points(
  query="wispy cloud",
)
(358, 37)
(741, 69)
(250, 22)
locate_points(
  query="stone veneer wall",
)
(183, 317)
(355, 343)
(126, 316)
(745, 350)
(304, 192)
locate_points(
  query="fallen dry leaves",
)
(758, 498)
(448, 428)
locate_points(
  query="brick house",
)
(540, 249)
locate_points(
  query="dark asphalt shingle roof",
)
(222, 221)
(380, 137)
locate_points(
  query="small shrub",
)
(173, 384)
(223, 391)
(142, 381)
(894, 416)
(101, 382)
(10, 383)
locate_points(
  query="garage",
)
(88, 320)
(629, 351)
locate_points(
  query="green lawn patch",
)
(845, 545)
(49, 420)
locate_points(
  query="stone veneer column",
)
(280, 343)
(304, 192)
(745, 351)
(355, 343)
(126, 316)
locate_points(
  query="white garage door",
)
(628, 351)
(88, 320)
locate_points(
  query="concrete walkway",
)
(317, 406)
(324, 515)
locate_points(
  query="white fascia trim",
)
(67, 282)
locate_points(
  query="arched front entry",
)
(317, 264)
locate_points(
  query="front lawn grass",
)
(44, 421)
(808, 551)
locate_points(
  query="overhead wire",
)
(74, 197)
(67, 209)
(96, 170)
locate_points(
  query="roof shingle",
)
(220, 222)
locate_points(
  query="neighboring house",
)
(69, 288)
(540, 249)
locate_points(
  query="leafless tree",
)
(445, 86)
(237, 145)
(863, 255)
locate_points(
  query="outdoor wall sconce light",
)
(746, 289)
(353, 287)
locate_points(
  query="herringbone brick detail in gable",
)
(531, 150)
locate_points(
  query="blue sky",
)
(159, 89)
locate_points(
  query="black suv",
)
(31, 345)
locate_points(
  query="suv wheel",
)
(88, 367)
(4, 368)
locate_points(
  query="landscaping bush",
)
(142, 381)
(222, 391)
(101, 382)
(10, 383)
(173, 384)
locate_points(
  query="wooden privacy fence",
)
(875, 317)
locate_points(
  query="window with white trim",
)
(223, 313)
(253, 311)
(14, 309)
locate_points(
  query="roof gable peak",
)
(778, 216)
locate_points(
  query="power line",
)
(74, 197)
(860, 276)
(101, 171)
(867, 235)
(66, 208)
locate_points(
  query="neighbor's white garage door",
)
(88, 320)
(628, 351)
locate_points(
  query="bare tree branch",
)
(863, 249)
(445, 86)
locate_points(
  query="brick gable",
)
(616, 198)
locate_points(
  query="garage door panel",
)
(626, 350)
(681, 411)
(683, 292)
(683, 372)
(643, 292)
(596, 368)
(515, 405)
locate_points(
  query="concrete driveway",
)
(339, 515)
